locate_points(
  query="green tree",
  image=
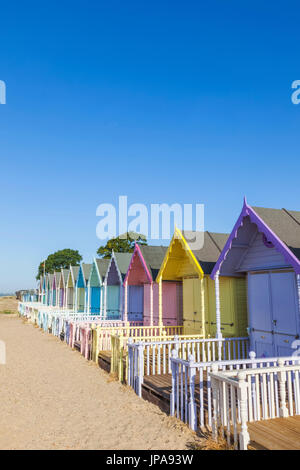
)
(59, 259)
(122, 244)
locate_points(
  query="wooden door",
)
(284, 311)
(192, 306)
(113, 302)
(136, 303)
(260, 314)
(95, 300)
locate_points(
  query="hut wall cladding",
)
(233, 295)
(171, 302)
(95, 291)
(259, 255)
(80, 292)
(113, 291)
(54, 293)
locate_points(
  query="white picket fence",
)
(255, 394)
(192, 389)
(154, 357)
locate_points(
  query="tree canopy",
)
(59, 259)
(122, 244)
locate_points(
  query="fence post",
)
(174, 355)
(130, 361)
(283, 411)
(120, 356)
(192, 402)
(252, 356)
(242, 396)
(176, 344)
(214, 388)
(140, 368)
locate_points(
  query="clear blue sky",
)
(163, 101)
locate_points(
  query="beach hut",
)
(71, 287)
(56, 282)
(44, 289)
(65, 275)
(82, 287)
(191, 268)
(96, 286)
(49, 288)
(141, 292)
(264, 249)
(40, 291)
(62, 287)
(114, 289)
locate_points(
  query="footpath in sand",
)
(52, 398)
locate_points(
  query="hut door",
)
(285, 308)
(95, 300)
(260, 314)
(192, 306)
(273, 311)
(113, 296)
(136, 303)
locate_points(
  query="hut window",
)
(267, 243)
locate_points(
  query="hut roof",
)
(213, 243)
(280, 226)
(123, 261)
(153, 256)
(102, 264)
(86, 269)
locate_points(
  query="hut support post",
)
(151, 304)
(88, 298)
(298, 289)
(104, 291)
(160, 312)
(218, 315)
(125, 301)
(76, 302)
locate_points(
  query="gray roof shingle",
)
(213, 244)
(285, 224)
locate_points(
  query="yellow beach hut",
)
(185, 262)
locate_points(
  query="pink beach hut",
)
(142, 292)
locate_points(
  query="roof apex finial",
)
(245, 201)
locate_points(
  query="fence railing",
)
(120, 351)
(154, 357)
(191, 395)
(101, 337)
(253, 394)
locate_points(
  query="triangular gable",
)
(72, 278)
(80, 279)
(138, 272)
(54, 282)
(57, 277)
(270, 237)
(61, 280)
(113, 274)
(178, 236)
(95, 278)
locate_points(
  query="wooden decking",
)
(272, 434)
(276, 434)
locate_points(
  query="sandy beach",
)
(52, 398)
(8, 305)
